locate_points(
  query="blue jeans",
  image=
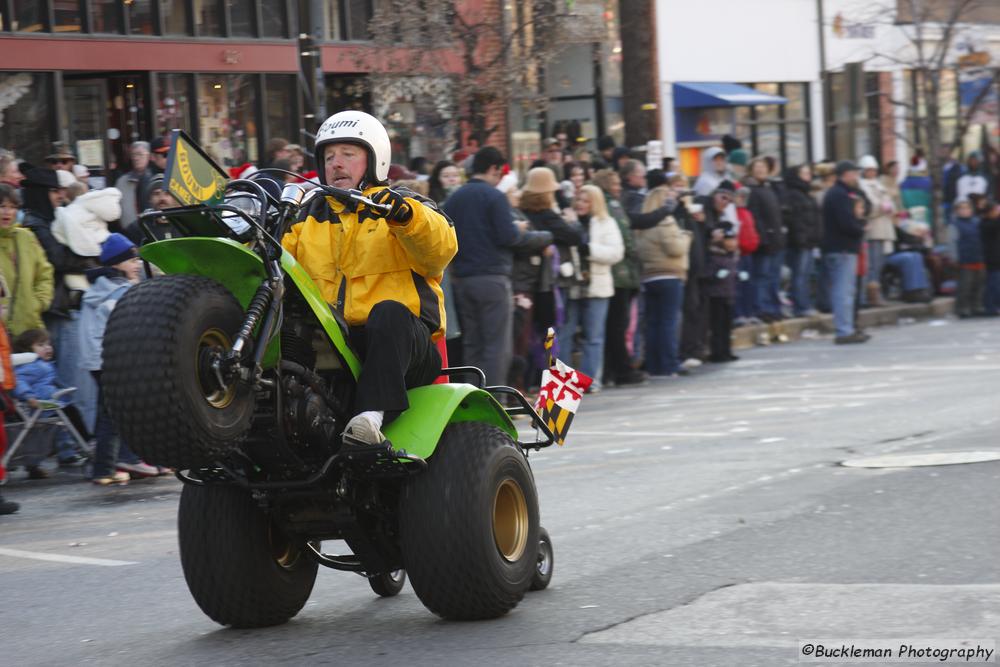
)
(64, 334)
(800, 261)
(841, 273)
(991, 301)
(110, 449)
(746, 291)
(664, 300)
(590, 315)
(911, 267)
(767, 282)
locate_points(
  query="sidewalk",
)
(796, 328)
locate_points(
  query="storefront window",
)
(274, 19)
(795, 93)
(279, 91)
(24, 114)
(208, 18)
(67, 16)
(106, 16)
(173, 107)
(140, 17)
(29, 16)
(226, 113)
(241, 17)
(348, 19)
(796, 144)
(174, 17)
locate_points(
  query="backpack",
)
(748, 237)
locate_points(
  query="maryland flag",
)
(560, 395)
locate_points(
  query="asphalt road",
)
(696, 521)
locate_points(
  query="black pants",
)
(720, 317)
(397, 354)
(617, 363)
(694, 325)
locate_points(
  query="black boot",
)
(8, 506)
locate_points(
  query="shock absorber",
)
(258, 306)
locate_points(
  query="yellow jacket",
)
(357, 259)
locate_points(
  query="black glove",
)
(401, 211)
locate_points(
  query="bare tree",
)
(932, 30)
(493, 53)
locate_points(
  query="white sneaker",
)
(366, 427)
(691, 363)
(140, 469)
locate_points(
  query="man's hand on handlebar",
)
(400, 212)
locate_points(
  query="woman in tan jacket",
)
(663, 251)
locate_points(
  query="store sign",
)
(844, 29)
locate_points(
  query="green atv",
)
(233, 370)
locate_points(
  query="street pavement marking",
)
(59, 558)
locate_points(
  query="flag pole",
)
(550, 339)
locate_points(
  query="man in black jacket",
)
(843, 233)
(482, 268)
(633, 175)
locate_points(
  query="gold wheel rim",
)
(284, 552)
(510, 520)
(214, 339)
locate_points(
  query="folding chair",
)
(48, 416)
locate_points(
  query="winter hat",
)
(845, 166)
(65, 178)
(540, 180)
(117, 249)
(868, 162)
(158, 145)
(730, 143)
(81, 172)
(245, 170)
(41, 177)
(739, 157)
(725, 187)
(155, 183)
(618, 153)
(605, 143)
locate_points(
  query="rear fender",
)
(435, 406)
(242, 271)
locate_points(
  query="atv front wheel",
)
(159, 381)
(388, 584)
(469, 525)
(240, 568)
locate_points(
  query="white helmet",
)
(868, 162)
(356, 127)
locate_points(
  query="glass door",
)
(87, 121)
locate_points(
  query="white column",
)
(668, 133)
(817, 119)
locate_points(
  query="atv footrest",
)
(379, 460)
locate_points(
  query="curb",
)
(796, 328)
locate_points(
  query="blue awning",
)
(689, 95)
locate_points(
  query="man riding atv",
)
(382, 273)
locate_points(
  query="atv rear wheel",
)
(158, 379)
(241, 569)
(469, 525)
(388, 584)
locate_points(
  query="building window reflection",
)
(24, 127)
(228, 127)
(66, 16)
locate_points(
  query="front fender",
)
(435, 406)
(242, 271)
